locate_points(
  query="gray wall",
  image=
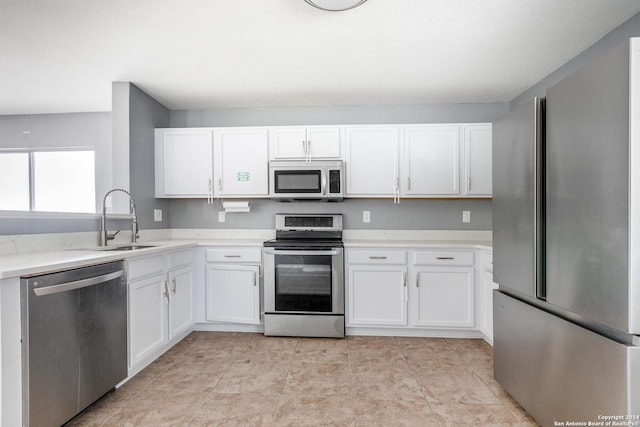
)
(145, 114)
(369, 114)
(124, 156)
(59, 130)
(408, 215)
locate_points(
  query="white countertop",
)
(449, 244)
(33, 263)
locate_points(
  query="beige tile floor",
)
(233, 379)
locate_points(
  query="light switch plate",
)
(222, 216)
(366, 216)
(466, 216)
(157, 215)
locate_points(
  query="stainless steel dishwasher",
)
(74, 340)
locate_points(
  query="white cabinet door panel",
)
(445, 297)
(372, 161)
(477, 146)
(324, 142)
(233, 293)
(147, 317)
(181, 305)
(377, 296)
(288, 143)
(241, 162)
(184, 162)
(432, 160)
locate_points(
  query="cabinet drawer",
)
(443, 257)
(377, 257)
(141, 267)
(179, 259)
(226, 255)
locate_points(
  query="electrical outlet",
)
(366, 216)
(222, 216)
(157, 215)
(466, 216)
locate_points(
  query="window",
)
(48, 181)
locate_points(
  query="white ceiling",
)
(61, 56)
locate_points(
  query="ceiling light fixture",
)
(335, 5)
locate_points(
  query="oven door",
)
(304, 281)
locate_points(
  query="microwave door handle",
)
(324, 183)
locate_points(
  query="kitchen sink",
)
(131, 247)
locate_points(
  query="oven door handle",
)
(295, 252)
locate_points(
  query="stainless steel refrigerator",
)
(566, 217)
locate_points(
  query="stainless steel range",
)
(304, 277)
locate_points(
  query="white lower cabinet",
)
(444, 285)
(147, 318)
(233, 293)
(444, 297)
(377, 295)
(232, 285)
(487, 286)
(411, 289)
(160, 304)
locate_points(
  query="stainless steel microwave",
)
(297, 180)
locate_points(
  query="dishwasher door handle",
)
(77, 284)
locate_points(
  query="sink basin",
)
(131, 247)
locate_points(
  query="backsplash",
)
(408, 215)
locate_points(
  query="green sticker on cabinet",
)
(243, 176)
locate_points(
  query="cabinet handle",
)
(408, 183)
(165, 292)
(309, 151)
(233, 256)
(468, 184)
(173, 286)
(404, 279)
(417, 281)
(210, 195)
(255, 279)
(304, 149)
(220, 184)
(377, 257)
(445, 258)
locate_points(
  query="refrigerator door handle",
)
(539, 197)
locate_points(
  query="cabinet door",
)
(233, 293)
(477, 149)
(432, 160)
(377, 295)
(183, 162)
(444, 297)
(147, 317)
(372, 161)
(324, 142)
(288, 143)
(242, 157)
(180, 297)
(487, 287)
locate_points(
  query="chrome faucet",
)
(106, 236)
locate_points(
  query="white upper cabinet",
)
(431, 160)
(306, 143)
(183, 162)
(241, 162)
(477, 160)
(372, 161)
